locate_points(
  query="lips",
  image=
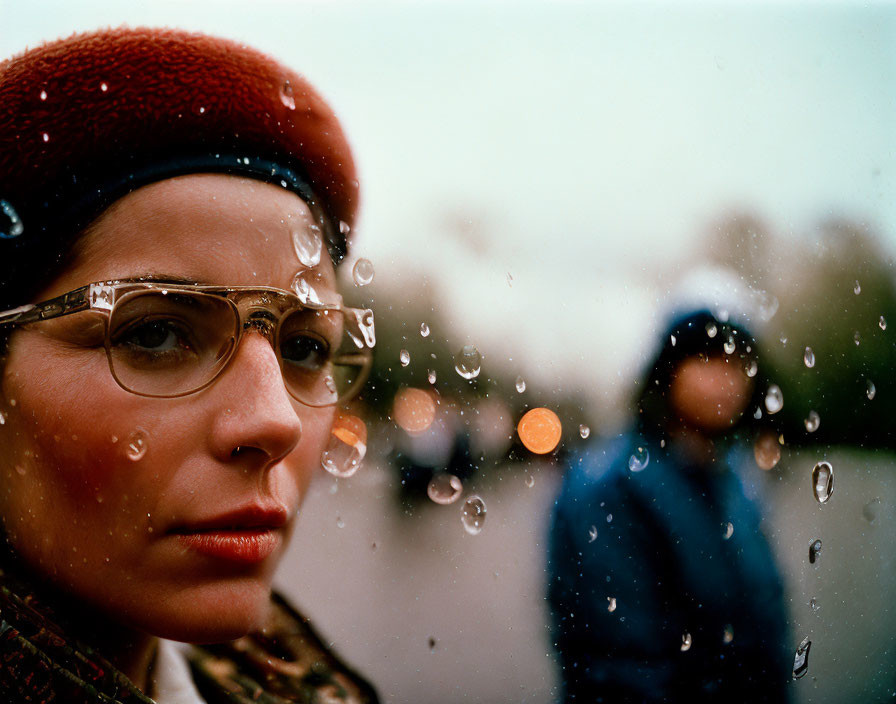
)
(247, 535)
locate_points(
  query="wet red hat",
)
(87, 119)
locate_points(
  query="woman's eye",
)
(305, 351)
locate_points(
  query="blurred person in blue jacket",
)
(662, 586)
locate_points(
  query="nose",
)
(258, 417)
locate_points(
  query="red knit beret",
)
(85, 120)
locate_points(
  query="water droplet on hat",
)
(468, 362)
(814, 550)
(362, 272)
(812, 422)
(43, 95)
(728, 530)
(135, 447)
(287, 97)
(686, 642)
(774, 399)
(520, 385)
(809, 358)
(752, 368)
(540, 430)
(711, 330)
(611, 604)
(639, 459)
(882, 323)
(198, 108)
(870, 390)
(857, 289)
(473, 515)
(346, 447)
(424, 330)
(10, 222)
(104, 86)
(592, 534)
(823, 481)
(306, 240)
(584, 431)
(404, 357)
(45, 137)
(801, 659)
(431, 376)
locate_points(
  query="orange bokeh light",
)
(414, 410)
(540, 430)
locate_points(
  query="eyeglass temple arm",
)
(71, 302)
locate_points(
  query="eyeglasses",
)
(168, 340)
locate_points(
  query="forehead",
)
(208, 228)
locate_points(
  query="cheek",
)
(304, 462)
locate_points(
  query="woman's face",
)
(181, 543)
(710, 394)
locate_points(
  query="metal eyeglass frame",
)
(104, 295)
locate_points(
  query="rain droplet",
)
(530, 481)
(444, 488)
(473, 515)
(882, 323)
(812, 422)
(823, 481)
(424, 330)
(609, 518)
(809, 358)
(729, 346)
(639, 459)
(45, 137)
(339, 522)
(774, 399)
(404, 357)
(592, 534)
(768, 306)
(305, 292)
(306, 240)
(135, 447)
(857, 338)
(857, 289)
(362, 272)
(2, 418)
(520, 384)
(870, 390)
(728, 634)
(685, 642)
(752, 368)
(869, 510)
(344, 227)
(814, 550)
(432, 644)
(287, 97)
(673, 340)
(11, 225)
(767, 451)
(801, 659)
(584, 431)
(729, 530)
(468, 362)
(611, 604)
(813, 604)
(431, 376)
(104, 86)
(43, 95)
(711, 330)
(198, 108)
(20, 469)
(344, 451)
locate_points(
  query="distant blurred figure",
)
(662, 586)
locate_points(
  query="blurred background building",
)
(543, 181)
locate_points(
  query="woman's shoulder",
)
(284, 660)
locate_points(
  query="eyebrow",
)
(163, 278)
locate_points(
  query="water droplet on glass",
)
(540, 430)
(20, 470)
(432, 644)
(882, 323)
(424, 330)
(43, 95)
(339, 522)
(468, 362)
(344, 227)
(774, 399)
(198, 108)
(768, 306)
(2, 418)
(346, 448)
(685, 642)
(823, 481)
(729, 530)
(814, 550)
(711, 330)
(10, 223)
(305, 292)
(592, 534)
(584, 431)
(673, 340)
(813, 604)
(809, 358)
(45, 136)
(444, 488)
(767, 451)
(728, 634)
(135, 447)
(870, 390)
(857, 289)
(104, 87)
(431, 376)
(639, 459)
(812, 422)
(404, 357)
(473, 515)
(362, 272)
(857, 338)
(611, 604)
(520, 384)
(752, 368)
(307, 241)
(801, 659)
(287, 97)
(757, 414)
(530, 481)
(729, 346)
(869, 510)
